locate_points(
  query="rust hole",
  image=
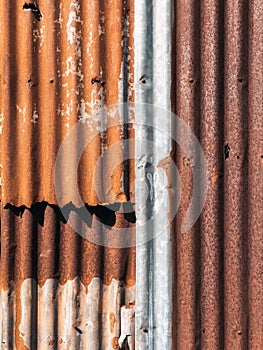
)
(143, 80)
(261, 156)
(239, 332)
(226, 151)
(238, 157)
(77, 302)
(31, 83)
(240, 80)
(203, 330)
(191, 81)
(33, 6)
(78, 329)
(145, 330)
(51, 81)
(97, 81)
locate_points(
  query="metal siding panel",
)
(55, 283)
(66, 66)
(60, 291)
(216, 84)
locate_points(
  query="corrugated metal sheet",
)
(218, 56)
(58, 290)
(62, 63)
(59, 66)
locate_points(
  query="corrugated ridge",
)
(211, 136)
(187, 275)
(255, 173)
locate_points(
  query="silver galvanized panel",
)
(153, 28)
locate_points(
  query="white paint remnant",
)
(28, 298)
(60, 19)
(34, 116)
(7, 314)
(83, 316)
(127, 326)
(22, 110)
(39, 33)
(101, 30)
(73, 68)
(97, 118)
(1, 122)
(74, 17)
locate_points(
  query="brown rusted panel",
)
(217, 90)
(60, 66)
(38, 248)
(211, 137)
(187, 103)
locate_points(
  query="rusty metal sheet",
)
(218, 56)
(63, 62)
(58, 290)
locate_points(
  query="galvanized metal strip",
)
(153, 28)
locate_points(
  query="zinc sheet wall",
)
(57, 289)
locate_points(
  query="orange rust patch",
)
(114, 343)
(112, 322)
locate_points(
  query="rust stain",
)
(115, 343)
(52, 342)
(112, 322)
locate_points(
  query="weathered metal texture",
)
(58, 290)
(50, 273)
(152, 32)
(217, 90)
(187, 103)
(59, 66)
(255, 174)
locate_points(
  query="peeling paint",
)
(71, 306)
